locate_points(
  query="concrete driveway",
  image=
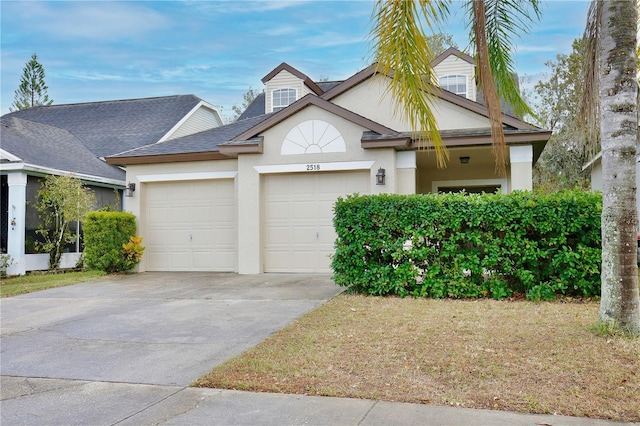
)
(145, 329)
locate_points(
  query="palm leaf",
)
(403, 54)
(494, 25)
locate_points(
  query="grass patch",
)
(13, 286)
(517, 356)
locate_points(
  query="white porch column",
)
(521, 157)
(406, 172)
(16, 222)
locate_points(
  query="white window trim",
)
(466, 83)
(273, 104)
(437, 184)
(177, 177)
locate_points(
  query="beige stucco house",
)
(257, 195)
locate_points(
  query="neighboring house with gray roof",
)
(257, 195)
(74, 139)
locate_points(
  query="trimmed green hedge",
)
(469, 246)
(104, 235)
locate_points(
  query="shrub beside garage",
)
(110, 243)
(469, 246)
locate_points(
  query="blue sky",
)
(99, 50)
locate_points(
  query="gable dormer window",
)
(455, 83)
(282, 98)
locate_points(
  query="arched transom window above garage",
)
(313, 137)
(455, 83)
(282, 98)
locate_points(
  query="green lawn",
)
(13, 286)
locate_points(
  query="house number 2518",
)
(313, 167)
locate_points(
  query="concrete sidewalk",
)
(71, 402)
(123, 350)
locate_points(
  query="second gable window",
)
(282, 98)
(455, 83)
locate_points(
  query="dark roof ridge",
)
(302, 76)
(105, 102)
(455, 52)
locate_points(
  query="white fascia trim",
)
(187, 116)
(592, 161)
(436, 184)
(6, 155)
(315, 167)
(48, 171)
(173, 177)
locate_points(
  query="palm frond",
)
(403, 54)
(495, 23)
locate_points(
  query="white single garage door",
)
(190, 226)
(298, 207)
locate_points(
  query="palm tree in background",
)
(610, 114)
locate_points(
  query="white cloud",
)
(90, 20)
(282, 30)
(535, 49)
(234, 7)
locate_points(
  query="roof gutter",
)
(26, 167)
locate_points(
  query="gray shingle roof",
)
(110, 127)
(206, 141)
(255, 108)
(327, 85)
(50, 147)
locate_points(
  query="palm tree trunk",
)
(619, 134)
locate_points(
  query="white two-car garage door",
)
(298, 207)
(190, 226)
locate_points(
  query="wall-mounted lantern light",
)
(129, 190)
(380, 176)
(464, 160)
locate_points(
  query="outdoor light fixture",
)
(128, 191)
(380, 176)
(464, 160)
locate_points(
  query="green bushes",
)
(105, 236)
(462, 246)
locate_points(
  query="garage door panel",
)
(304, 235)
(190, 226)
(298, 208)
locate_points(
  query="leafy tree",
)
(33, 89)
(62, 200)
(439, 42)
(557, 108)
(248, 97)
(404, 54)
(559, 96)
(610, 110)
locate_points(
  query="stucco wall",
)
(371, 100)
